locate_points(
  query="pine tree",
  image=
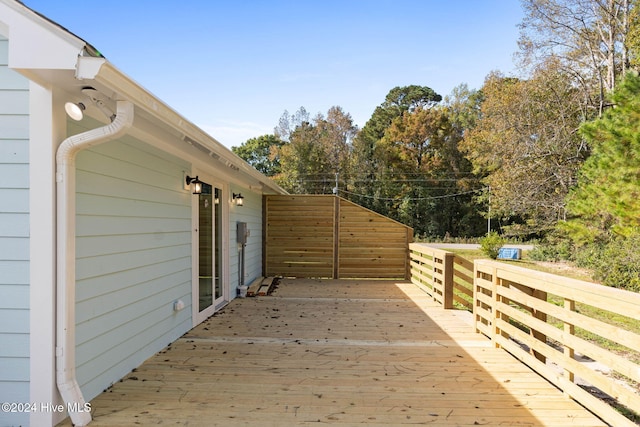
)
(606, 203)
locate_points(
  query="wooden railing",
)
(447, 277)
(549, 322)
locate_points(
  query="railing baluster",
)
(569, 329)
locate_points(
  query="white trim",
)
(199, 317)
(43, 124)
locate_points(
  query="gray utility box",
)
(242, 233)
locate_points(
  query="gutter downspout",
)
(66, 257)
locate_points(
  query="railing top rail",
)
(605, 297)
(421, 247)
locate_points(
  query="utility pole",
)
(335, 189)
(489, 213)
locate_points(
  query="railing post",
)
(407, 273)
(476, 301)
(569, 329)
(447, 293)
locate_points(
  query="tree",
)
(262, 153)
(527, 147)
(464, 106)
(606, 202)
(372, 185)
(415, 150)
(289, 122)
(316, 152)
(589, 37)
(633, 37)
(337, 132)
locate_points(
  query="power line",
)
(391, 199)
(331, 175)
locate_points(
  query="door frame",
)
(197, 316)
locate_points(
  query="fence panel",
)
(327, 236)
(298, 237)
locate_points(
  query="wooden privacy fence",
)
(328, 236)
(549, 322)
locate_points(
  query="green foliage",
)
(616, 263)
(408, 98)
(491, 244)
(606, 202)
(262, 153)
(552, 250)
(407, 164)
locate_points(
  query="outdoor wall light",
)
(75, 111)
(197, 184)
(238, 199)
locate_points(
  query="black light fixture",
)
(238, 199)
(197, 184)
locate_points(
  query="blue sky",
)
(233, 67)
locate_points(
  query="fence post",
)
(336, 237)
(447, 293)
(407, 270)
(476, 301)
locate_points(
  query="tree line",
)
(552, 154)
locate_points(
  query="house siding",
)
(251, 213)
(14, 238)
(133, 258)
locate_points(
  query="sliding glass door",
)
(209, 251)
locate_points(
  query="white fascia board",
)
(36, 43)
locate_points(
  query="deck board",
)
(337, 352)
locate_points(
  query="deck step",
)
(267, 286)
(254, 286)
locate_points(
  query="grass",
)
(559, 268)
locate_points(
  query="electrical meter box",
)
(242, 233)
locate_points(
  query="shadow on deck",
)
(337, 352)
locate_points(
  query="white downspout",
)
(66, 256)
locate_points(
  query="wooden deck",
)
(336, 352)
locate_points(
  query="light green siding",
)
(133, 258)
(14, 239)
(251, 213)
